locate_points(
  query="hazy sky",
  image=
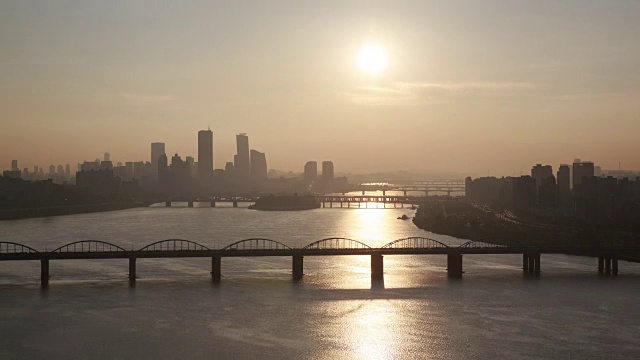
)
(479, 86)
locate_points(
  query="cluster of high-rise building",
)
(247, 173)
(575, 188)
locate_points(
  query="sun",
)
(372, 59)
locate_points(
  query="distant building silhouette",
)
(242, 166)
(310, 171)
(14, 165)
(205, 158)
(157, 149)
(327, 171)
(582, 169)
(564, 184)
(107, 156)
(228, 167)
(60, 170)
(52, 169)
(258, 169)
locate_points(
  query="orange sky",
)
(488, 87)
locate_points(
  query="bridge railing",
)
(257, 244)
(8, 247)
(174, 245)
(85, 246)
(415, 243)
(337, 244)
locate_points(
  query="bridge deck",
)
(314, 252)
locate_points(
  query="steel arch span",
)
(479, 245)
(8, 247)
(257, 244)
(174, 245)
(85, 246)
(337, 244)
(415, 242)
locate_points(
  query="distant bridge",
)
(180, 248)
(346, 201)
(423, 187)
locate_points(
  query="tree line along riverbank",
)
(461, 219)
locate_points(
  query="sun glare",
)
(372, 59)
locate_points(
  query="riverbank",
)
(24, 213)
(466, 221)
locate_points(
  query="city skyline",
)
(558, 83)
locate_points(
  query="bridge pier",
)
(377, 267)
(216, 269)
(190, 204)
(235, 204)
(167, 203)
(132, 271)
(362, 192)
(454, 266)
(297, 267)
(384, 192)
(212, 204)
(531, 264)
(600, 265)
(44, 273)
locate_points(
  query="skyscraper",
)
(258, 168)
(564, 179)
(205, 157)
(157, 149)
(310, 171)
(582, 169)
(107, 156)
(14, 165)
(327, 172)
(242, 167)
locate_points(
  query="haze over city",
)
(547, 82)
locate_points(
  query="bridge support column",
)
(377, 267)
(323, 205)
(531, 264)
(212, 204)
(331, 204)
(190, 203)
(132, 271)
(607, 265)
(235, 204)
(454, 266)
(216, 269)
(384, 192)
(44, 273)
(614, 266)
(362, 192)
(297, 267)
(600, 264)
(167, 203)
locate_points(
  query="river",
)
(258, 312)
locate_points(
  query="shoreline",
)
(502, 234)
(27, 213)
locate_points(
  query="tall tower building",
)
(564, 179)
(242, 167)
(258, 168)
(14, 165)
(107, 156)
(310, 171)
(205, 157)
(582, 169)
(327, 171)
(157, 149)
